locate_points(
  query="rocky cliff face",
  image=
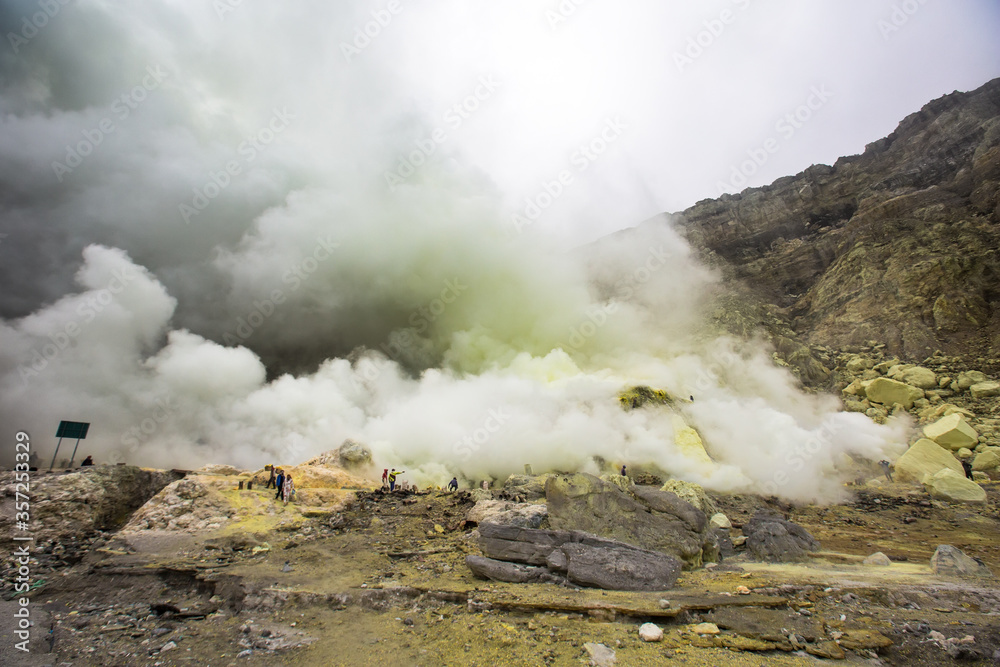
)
(899, 245)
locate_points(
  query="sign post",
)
(67, 429)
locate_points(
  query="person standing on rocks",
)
(967, 467)
(385, 478)
(279, 482)
(886, 468)
(392, 479)
(453, 484)
(287, 488)
(271, 481)
(89, 461)
(623, 471)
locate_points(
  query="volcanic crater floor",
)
(384, 581)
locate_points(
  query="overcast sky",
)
(577, 117)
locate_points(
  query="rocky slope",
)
(897, 245)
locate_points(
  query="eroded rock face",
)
(651, 519)
(94, 498)
(896, 244)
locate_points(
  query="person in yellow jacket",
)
(392, 479)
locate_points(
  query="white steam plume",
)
(267, 270)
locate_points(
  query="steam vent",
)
(379, 332)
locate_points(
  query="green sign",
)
(76, 430)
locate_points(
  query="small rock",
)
(169, 646)
(705, 629)
(664, 604)
(742, 590)
(600, 655)
(650, 632)
(720, 520)
(826, 649)
(244, 654)
(878, 559)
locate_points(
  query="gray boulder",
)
(653, 520)
(523, 515)
(352, 454)
(952, 561)
(524, 487)
(582, 558)
(776, 540)
(620, 568)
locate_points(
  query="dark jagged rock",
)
(582, 558)
(773, 539)
(651, 519)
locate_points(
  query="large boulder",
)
(952, 432)
(582, 558)
(621, 569)
(985, 389)
(525, 487)
(776, 540)
(968, 378)
(353, 454)
(951, 561)
(946, 484)
(586, 503)
(889, 392)
(924, 457)
(523, 515)
(987, 460)
(689, 442)
(918, 376)
(671, 504)
(692, 493)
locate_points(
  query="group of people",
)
(281, 481)
(389, 480)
